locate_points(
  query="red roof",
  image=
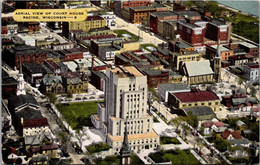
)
(52, 146)
(207, 124)
(253, 66)
(52, 64)
(236, 135)
(42, 122)
(94, 18)
(256, 109)
(196, 96)
(226, 133)
(219, 124)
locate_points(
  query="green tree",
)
(188, 4)
(52, 97)
(185, 131)
(222, 144)
(64, 138)
(192, 120)
(252, 91)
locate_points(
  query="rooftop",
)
(29, 113)
(197, 68)
(196, 96)
(90, 18)
(42, 122)
(247, 44)
(126, 71)
(134, 137)
(164, 14)
(155, 72)
(182, 44)
(200, 111)
(35, 68)
(15, 102)
(222, 48)
(174, 87)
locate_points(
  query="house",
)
(240, 142)
(165, 89)
(52, 84)
(210, 126)
(194, 98)
(246, 134)
(240, 125)
(231, 135)
(198, 72)
(74, 82)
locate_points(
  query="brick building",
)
(71, 54)
(225, 51)
(217, 31)
(156, 77)
(9, 85)
(118, 6)
(24, 54)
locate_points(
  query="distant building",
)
(126, 105)
(72, 54)
(211, 51)
(179, 46)
(251, 72)
(9, 85)
(194, 98)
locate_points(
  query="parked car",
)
(78, 98)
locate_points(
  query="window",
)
(216, 103)
(202, 103)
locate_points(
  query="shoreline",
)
(236, 10)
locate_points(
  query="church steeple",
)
(20, 85)
(125, 150)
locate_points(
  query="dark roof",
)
(94, 18)
(174, 86)
(196, 96)
(29, 113)
(188, 13)
(42, 122)
(26, 49)
(9, 81)
(154, 72)
(17, 102)
(35, 68)
(200, 110)
(164, 14)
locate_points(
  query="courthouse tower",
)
(126, 103)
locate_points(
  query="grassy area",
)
(144, 46)
(78, 114)
(175, 156)
(168, 140)
(116, 160)
(97, 148)
(121, 32)
(240, 160)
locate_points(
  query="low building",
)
(203, 113)
(107, 53)
(231, 135)
(179, 46)
(198, 72)
(24, 54)
(250, 49)
(74, 82)
(35, 126)
(53, 66)
(179, 59)
(9, 85)
(239, 60)
(194, 98)
(52, 84)
(212, 51)
(156, 77)
(71, 54)
(98, 79)
(251, 72)
(33, 73)
(165, 89)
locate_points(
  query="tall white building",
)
(126, 101)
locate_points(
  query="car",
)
(78, 98)
(92, 97)
(84, 98)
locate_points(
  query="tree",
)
(64, 138)
(221, 144)
(188, 4)
(177, 123)
(52, 97)
(69, 95)
(192, 120)
(185, 131)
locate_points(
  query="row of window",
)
(201, 104)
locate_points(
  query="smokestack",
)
(92, 63)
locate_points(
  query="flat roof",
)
(152, 134)
(247, 44)
(222, 48)
(164, 14)
(126, 71)
(174, 86)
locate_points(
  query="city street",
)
(147, 37)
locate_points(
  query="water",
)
(250, 7)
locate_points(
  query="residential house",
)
(231, 135)
(240, 125)
(52, 84)
(240, 142)
(75, 82)
(194, 98)
(210, 127)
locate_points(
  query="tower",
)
(126, 104)
(20, 85)
(217, 64)
(125, 152)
